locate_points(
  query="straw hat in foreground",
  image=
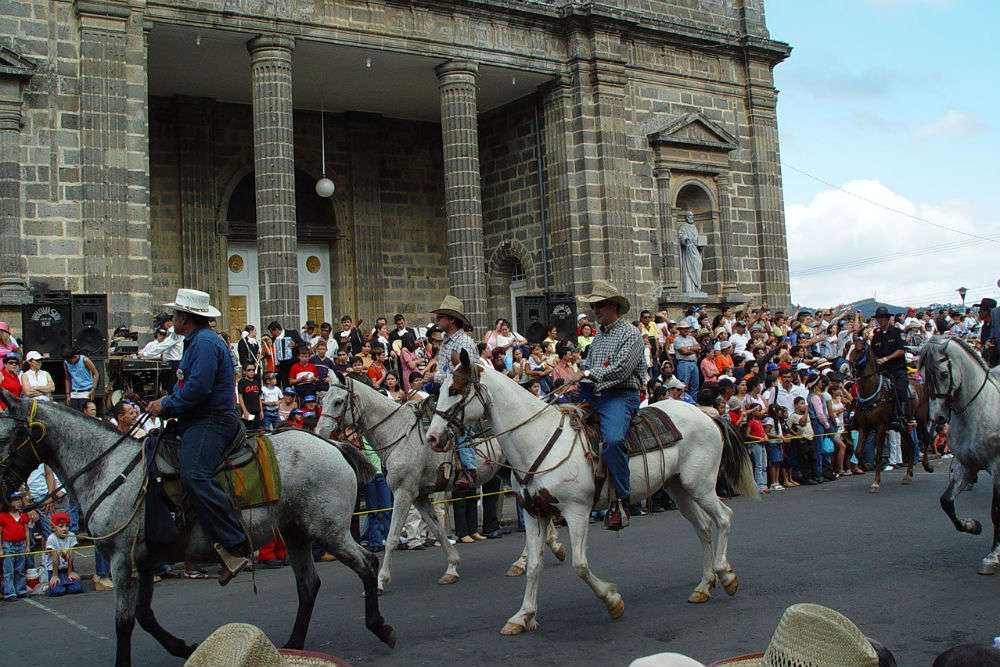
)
(243, 645)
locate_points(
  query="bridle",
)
(949, 396)
(455, 415)
(856, 366)
(351, 404)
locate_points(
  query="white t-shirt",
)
(61, 547)
(739, 341)
(270, 394)
(37, 378)
(36, 482)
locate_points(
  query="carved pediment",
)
(694, 129)
(14, 65)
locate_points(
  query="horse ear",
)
(463, 355)
(455, 359)
(11, 401)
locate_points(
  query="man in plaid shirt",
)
(617, 367)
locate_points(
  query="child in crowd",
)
(940, 443)
(358, 372)
(801, 431)
(58, 558)
(295, 419)
(535, 388)
(270, 399)
(289, 401)
(310, 408)
(14, 535)
(341, 362)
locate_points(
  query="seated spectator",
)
(303, 374)
(12, 374)
(376, 369)
(289, 401)
(357, 371)
(57, 560)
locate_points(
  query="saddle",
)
(651, 430)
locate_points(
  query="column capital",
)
(457, 70)
(661, 172)
(10, 117)
(270, 43)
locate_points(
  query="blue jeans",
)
(14, 582)
(466, 455)
(759, 454)
(687, 372)
(66, 586)
(203, 440)
(377, 496)
(616, 408)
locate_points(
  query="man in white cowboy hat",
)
(450, 318)
(203, 401)
(617, 366)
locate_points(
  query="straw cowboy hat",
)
(810, 635)
(452, 307)
(243, 645)
(193, 301)
(602, 290)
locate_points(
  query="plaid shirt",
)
(456, 342)
(616, 358)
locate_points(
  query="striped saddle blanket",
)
(651, 429)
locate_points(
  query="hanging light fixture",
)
(324, 186)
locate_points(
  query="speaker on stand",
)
(90, 325)
(47, 327)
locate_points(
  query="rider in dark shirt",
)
(890, 354)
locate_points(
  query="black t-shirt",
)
(250, 391)
(885, 343)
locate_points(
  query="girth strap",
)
(542, 454)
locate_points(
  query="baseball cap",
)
(674, 383)
(772, 367)
(290, 391)
(310, 397)
(59, 518)
(33, 356)
(296, 411)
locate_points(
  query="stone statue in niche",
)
(691, 243)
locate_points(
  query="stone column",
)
(13, 266)
(723, 183)
(365, 133)
(274, 174)
(668, 236)
(463, 197)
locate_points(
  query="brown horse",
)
(874, 410)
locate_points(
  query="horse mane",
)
(930, 361)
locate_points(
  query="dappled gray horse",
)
(965, 395)
(320, 481)
(396, 432)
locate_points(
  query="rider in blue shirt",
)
(204, 402)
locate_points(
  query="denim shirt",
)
(206, 380)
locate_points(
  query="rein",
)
(949, 396)
(352, 402)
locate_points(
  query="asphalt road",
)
(891, 562)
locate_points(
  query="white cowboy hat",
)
(452, 307)
(193, 301)
(602, 290)
(243, 645)
(811, 635)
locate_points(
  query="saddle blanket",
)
(248, 472)
(651, 430)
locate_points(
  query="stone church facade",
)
(480, 147)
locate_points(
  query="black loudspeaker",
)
(561, 309)
(531, 317)
(90, 324)
(47, 327)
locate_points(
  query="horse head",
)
(20, 438)
(336, 409)
(460, 402)
(943, 377)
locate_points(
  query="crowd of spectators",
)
(782, 378)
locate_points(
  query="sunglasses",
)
(12, 361)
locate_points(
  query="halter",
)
(355, 419)
(953, 389)
(861, 363)
(455, 415)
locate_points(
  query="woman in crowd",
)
(585, 338)
(517, 365)
(409, 362)
(709, 371)
(267, 354)
(8, 343)
(248, 348)
(393, 389)
(11, 373)
(820, 420)
(36, 383)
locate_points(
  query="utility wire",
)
(895, 256)
(889, 208)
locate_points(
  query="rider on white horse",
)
(617, 368)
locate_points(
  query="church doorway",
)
(518, 288)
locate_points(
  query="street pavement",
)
(890, 562)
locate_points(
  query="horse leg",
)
(365, 564)
(957, 480)
(702, 524)
(909, 453)
(306, 584)
(721, 516)
(923, 433)
(578, 522)
(879, 448)
(126, 600)
(423, 505)
(524, 619)
(552, 540)
(401, 501)
(991, 563)
(144, 614)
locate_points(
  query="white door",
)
(314, 283)
(244, 285)
(518, 287)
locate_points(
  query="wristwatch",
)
(586, 373)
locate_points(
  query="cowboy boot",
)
(232, 564)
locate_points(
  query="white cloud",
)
(953, 124)
(832, 238)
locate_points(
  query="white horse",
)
(412, 469)
(536, 438)
(965, 395)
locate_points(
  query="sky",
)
(890, 104)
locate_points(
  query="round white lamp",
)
(325, 187)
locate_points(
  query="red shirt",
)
(376, 372)
(11, 383)
(755, 430)
(302, 368)
(11, 529)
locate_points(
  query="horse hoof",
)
(698, 597)
(559, 553)
(514, 570)
(907, 480)
(976, 527)
(448, 579)
(874, 488)
(511, 628)
(388, 635)
(928, 467)
(988, 567)
(732, 586)
(616, 611)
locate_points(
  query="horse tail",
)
(736, 463)
(363, 468)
